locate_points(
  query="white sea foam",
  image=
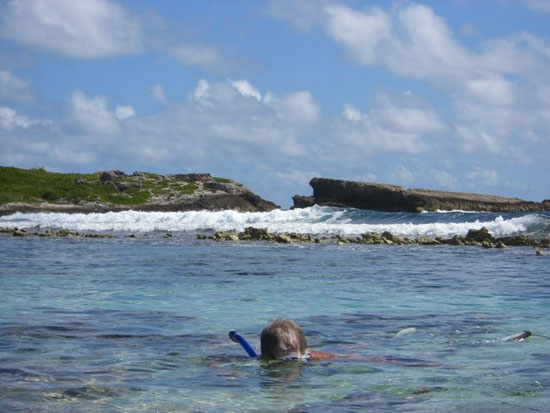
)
(315, 220)
(451, 211)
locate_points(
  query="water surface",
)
(140, 324)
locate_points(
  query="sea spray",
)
(323, 221)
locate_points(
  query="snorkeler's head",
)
(282, 338)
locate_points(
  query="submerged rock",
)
(427, 241)
(482, 235)
(518, 241)
(478, 238)
(61, 233)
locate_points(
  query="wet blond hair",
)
(282, 337)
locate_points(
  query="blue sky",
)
(451, 95)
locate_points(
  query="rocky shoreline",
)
(163, 193)
(476, 238)
(392, 198)
(113, 191)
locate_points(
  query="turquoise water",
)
(140, 324)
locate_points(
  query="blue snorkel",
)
(237, 338)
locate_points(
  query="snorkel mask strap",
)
(296, 357)
(237, 338)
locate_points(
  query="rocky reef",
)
(474, 238)
(42, 191)
(48, 233)
(392, 198)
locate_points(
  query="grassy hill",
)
(38, 185)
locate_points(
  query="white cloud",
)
(404, 116)
(363, 33)
(157, 92)
(484, 176)
(498, 91)
(297, 107)
(352, 113)
(492, 89)
(14, 89)
(78, 29)
(125, 112)
(411, 41)
(92, 114)
(393, 123)
(474, 139)
(246, 89)
(444, 178)
(220, 120)
(202, 90)
(9, 119)
(402, 175)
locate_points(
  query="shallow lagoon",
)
(140, 324)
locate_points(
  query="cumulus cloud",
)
(91, 114)
(201, 91)
(400, 115)
(78, 29)
(297, 107)
(125, 112)
(15, 89)
(444, 178)
(9, 119)
(236, 111)
(411, 34)
(411, 41)
(475, 138)
(351, 113)
(246, 89)
(220, 121)
(157, 92)
(491, 89)
(498, 92)
(483, 176)
(393, 123)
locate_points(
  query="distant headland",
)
(37, 190)
(392, 198)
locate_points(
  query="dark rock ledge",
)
(478, 238)
(392, 198)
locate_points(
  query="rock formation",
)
(392, 198)
(116, 191)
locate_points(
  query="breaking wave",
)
(314, 220)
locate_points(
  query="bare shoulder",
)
(322, 355)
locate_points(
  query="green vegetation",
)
(38, 185)
(222, 180)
